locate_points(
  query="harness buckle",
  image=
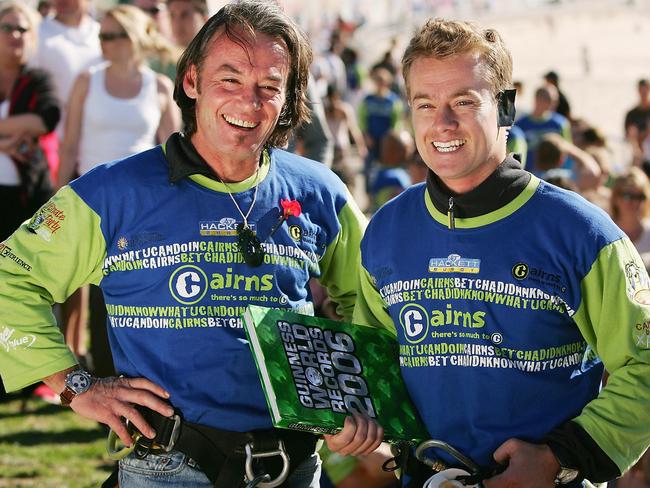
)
(250, 455)
(173, 437)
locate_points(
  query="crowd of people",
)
(195, 113)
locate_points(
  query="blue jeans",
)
(175, 469)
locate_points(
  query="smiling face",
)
(455, 119)
(239, 94)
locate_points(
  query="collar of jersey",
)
(185, 162)
(489, 218)
(239, 186)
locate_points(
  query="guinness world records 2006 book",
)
(316, 371)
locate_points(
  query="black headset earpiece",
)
(506, 106)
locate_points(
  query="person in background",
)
(28, 109)
(551, 156)
(392, 178)
(94, 134)
(562, 107)
(637, 126)
(163, 62)
(519, 293)
(124, 86)
(186, 18)
(67, 45)
(379, 112)
(630, 208)
(342, 123)
(196, 227)
(540, 121)
(45, 8)
(636, 119)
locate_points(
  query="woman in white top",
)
(114, 110)
(121, 107)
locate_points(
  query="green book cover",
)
(316, 371)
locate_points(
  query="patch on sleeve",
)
(637, 283)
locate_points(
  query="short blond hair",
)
(442, 38)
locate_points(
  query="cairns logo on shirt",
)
(454, 263)
(303, 234)
(522, 271)
(227, 226)
(188, 284)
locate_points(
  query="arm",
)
(69, 150)
(44, 262)
(26, 124)
(355, 131)
(340, 262)
(315, 134)
(612, 431)
(170, 118)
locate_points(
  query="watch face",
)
(78, 381)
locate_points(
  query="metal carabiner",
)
(111, 445)
(434, 443)
(280, 451)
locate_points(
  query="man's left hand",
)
(360, 436)
(529, 466)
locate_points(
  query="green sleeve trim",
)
(488, 218)
(614, 321)
(59, 250)
(340, 262)
(370, 308)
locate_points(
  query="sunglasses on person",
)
(637, 197)
(153, 11)
(11, 28)
(112, 36)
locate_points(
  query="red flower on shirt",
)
(290, 207)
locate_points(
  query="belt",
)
(221, 454)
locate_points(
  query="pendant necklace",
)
(250, 246)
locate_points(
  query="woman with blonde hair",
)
(630, 209)
(121, 107)
(116, 109)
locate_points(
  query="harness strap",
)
(221, 453)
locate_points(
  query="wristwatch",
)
(76, 383)
(565, 476)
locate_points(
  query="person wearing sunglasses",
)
(29, 109)
(115, 109)
(630, 209)
(181, 238)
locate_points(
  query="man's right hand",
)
(109, 400)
